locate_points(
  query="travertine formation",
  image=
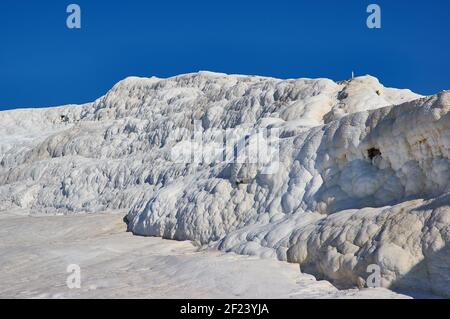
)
(361, 175)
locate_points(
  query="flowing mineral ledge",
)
(363, 174)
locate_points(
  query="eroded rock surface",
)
(362, 174)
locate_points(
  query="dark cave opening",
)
(372, 152)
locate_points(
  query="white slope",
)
(116, 264)
(362, 176)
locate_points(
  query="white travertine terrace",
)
(363, 174)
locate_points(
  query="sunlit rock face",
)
(356, 174)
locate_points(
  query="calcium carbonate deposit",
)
(351, 174)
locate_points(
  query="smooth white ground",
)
(35, 251)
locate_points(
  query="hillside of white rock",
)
(358, 173)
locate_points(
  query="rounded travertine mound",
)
(356, 174)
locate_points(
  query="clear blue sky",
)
(43, 63)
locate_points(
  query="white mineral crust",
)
(362, 173)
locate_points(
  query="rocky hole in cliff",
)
(372, 152)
